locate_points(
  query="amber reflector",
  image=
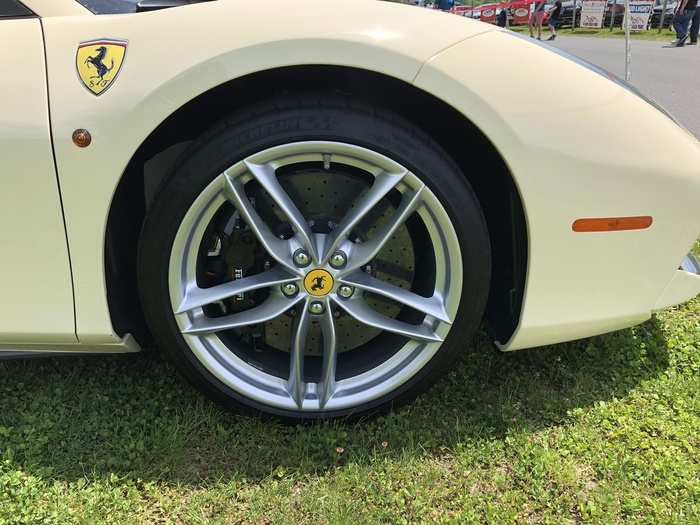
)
(82, 138)
(612, 224)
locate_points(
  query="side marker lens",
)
(82, 138)
(612, 224)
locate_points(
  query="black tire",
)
(292, 119)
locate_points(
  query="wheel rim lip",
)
(271, 391)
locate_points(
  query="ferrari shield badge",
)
(99, 62)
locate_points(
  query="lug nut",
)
(317, 308)
(345, 291)
(290, 289)
(339, 259)
(301, 258)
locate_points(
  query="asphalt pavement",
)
(670, 76)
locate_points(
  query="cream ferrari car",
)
(310, 207)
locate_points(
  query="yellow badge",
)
(99, 62)
(318, 282)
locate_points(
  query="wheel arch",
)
(474, 153)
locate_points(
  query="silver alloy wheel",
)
(292, 393)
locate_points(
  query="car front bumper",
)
(684, 286)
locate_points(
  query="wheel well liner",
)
(465, 143)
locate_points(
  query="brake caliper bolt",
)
(290, 289)
(301, 258)
(345, 291)
(339, 259)
(317, 308)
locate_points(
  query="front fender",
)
(177, 54)
(578, 146)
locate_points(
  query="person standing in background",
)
(554, 15)
(681, 20)
(536, 19)
(502, 18)
(445, 5)
(694, 27)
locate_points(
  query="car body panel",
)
(36, 304)
(578, 284)
(161, 73)
(51, 8)
(684, 286)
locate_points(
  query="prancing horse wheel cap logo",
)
(318, 282)
(98, 63)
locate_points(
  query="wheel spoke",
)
(326, 387)
(383, 184)
(296, 385)
(359, 310)
(277, 248)
(433, 306)
(265, 175)
(196, 297)
(363, 253)
(271, 308)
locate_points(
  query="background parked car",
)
(668, 16)
(567, 12)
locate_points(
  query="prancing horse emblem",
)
(99, 63)
(318, 282)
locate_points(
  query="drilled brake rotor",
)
(323, 197)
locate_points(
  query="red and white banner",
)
(521, 16)
(488, 14)
(462, 10)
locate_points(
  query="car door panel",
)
(36, 300)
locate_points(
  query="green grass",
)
(666, 35)
(605, 430)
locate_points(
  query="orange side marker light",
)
(612, 224)
(82, 138)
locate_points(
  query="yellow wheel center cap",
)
(318, 282)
